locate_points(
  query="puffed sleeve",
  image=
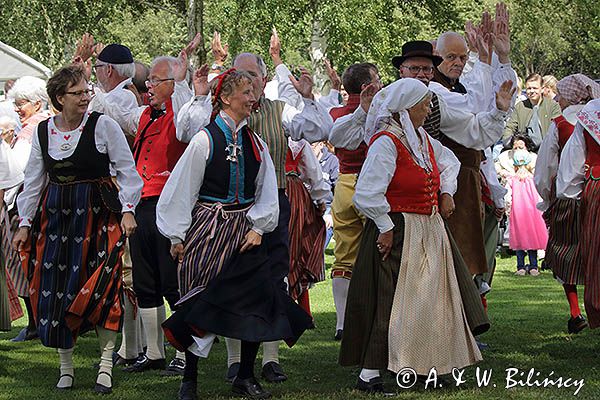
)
(286, 91)
(110, 135)
(178, 197)
(312, 175)
(13, 162)
(447, 164)
(312, 123)
(193, 116)
(348, 132)
(373, 181)
(264, 213)
(127, 118)
(546, 167)
(182, 93)
(332, 100)
(35, 181)
(571, 168)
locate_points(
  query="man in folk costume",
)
(274, 122)
(579, 178)
(563, 215)
(361, 81)
(156, 150)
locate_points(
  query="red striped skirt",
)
(307, 239)
(590, 247)
(8, 226)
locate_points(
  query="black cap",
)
(116, 54)
(416, 48)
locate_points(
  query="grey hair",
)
(259, 61)
(29, 88)
(126, 70)
(440, 45)
(171, 61)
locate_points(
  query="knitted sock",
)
(248, 357)
(304, 302)
(152, 318)
(141, 335)
(340, 294)
(368, 374)
(571, 292)
(107, 345)
(484, 302)
(270, 352)
(129, 343)
(180, 355)
(233, 351)
(66, 368)
(190, 372)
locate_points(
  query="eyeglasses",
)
(415, 69)
(155, 82)
(21, 105)
(99, 66)
(80, 93)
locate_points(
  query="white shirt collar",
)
(231, 123)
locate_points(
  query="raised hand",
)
(502, 33)
(180, 67)
(200, 81)
(84, 48)
(336, 82)
(304, 84)
(275, 48)
(367, 94)
(471, 35)
(98, 47)
(505, 95)
(191, 47)
(218, 50)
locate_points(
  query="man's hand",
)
(200, 81)
(502, 33)
(275, 48)
(20, 238)
(180, 67)
(471, 36)
(446, 205)
(219, 51)
(191, 47)
(84, 49)
(304, 84)
(505, 95)
(384, 243)
(251, 240)
(367, 94)
(128, 224)
(336, 82)
(177, 252)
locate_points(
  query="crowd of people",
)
(218, 191)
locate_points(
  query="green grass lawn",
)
(528, 316)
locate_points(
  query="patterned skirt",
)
(10, 306)
(14, 268)
(307, 239)
(73, 264)
(562, 251)
(590, 245)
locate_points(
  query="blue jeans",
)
(532, 259)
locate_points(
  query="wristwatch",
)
(217, 67)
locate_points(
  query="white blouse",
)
(378, 171)
(310, 172)
(570, 180)
(488, 169)
(109, 140)
(180, 194)
(120, 97)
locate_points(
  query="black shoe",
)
(101, 388)
(146, 364)
(232, 372)
(187, 390)
(118, 360)
(273, 372)
(249, 388)
(66, 387)
(339, 334)
(175, 367)
(577, 324)
(375, 385)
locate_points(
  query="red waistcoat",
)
(565, 130)
(158, 151)
(412, 189)
(291, 163)
(351, 161)
(592, 157)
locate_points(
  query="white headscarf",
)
(398, 98)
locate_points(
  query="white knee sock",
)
(152, 318)
(234, 351)
(107, 345)
(340, 294)
(368, 374)
(141, 334)
(270, 352)
(129, 343)
(180, 355)
(66, 368)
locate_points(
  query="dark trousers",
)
(278, 243)
(154, 270)
(532, 254)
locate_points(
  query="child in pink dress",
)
(527, 230)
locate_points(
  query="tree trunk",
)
(318, 51)
(195, 24)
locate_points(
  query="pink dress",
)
(527, 230)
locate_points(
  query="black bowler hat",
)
(416, 48)
(116, 54)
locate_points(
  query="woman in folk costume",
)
(404, 303)
(71, 232)
(308, 193)
(217, 204)
(563, 215)
(579, 178)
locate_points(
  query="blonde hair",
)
(225, 84)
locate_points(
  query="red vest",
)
(412, 189)
(158, 151)
(592, 158)
(291, 163)
(565, 130)
(351, 161)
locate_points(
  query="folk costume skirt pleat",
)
(14, 268)
(10, 306)
(226, 292)
(307, 239)
(73, 264)
(590, 245)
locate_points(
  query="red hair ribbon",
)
(221, 77)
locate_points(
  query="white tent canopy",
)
(15, 64)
